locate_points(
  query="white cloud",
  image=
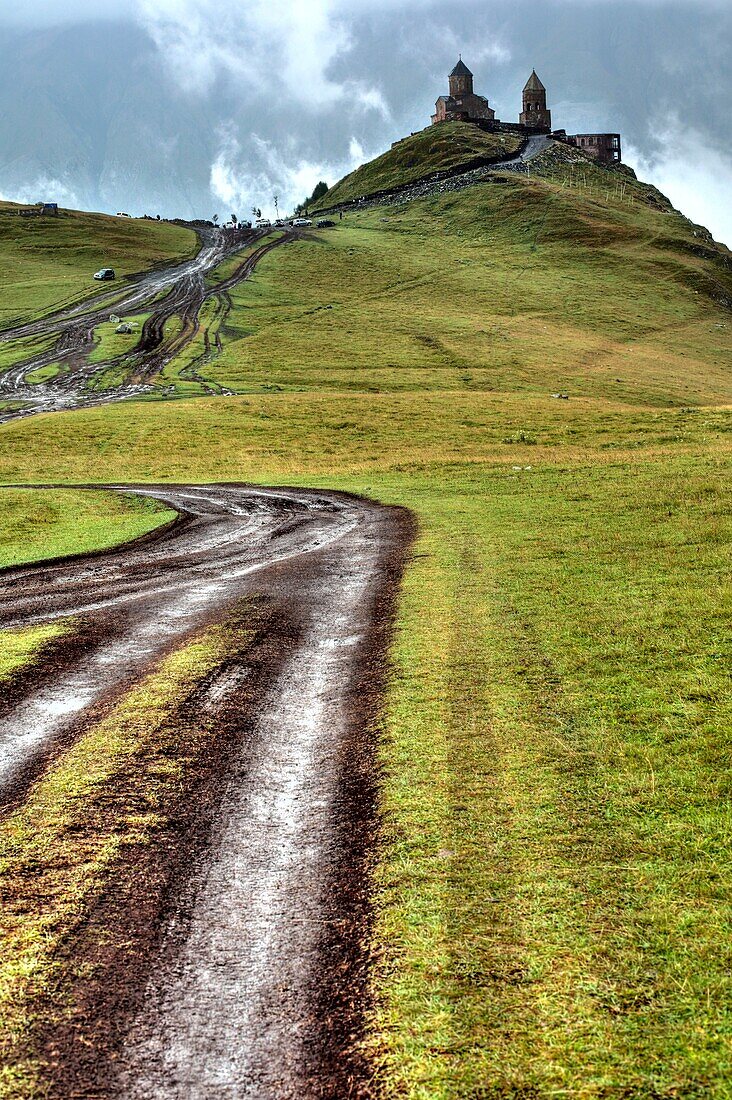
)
(244, 180)
(286, 46)
(271, 49)
(45, 189)
(355, 152)
(692, 173)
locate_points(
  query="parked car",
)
(324, 223)
(262, 223)
(105, 273)
(302, 221)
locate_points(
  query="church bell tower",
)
(461, 80)
(535, 113)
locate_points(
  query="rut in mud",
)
(173, 297)
(252, 981)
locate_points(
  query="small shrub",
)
(520, 437)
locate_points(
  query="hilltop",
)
(451, 147)
(577, 278)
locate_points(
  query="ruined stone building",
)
(462, 105)
(604, 148)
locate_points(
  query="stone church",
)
(463, 105)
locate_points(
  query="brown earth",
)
(228, 959)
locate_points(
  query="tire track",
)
(177, 292)
(255, 984)
(147, 598)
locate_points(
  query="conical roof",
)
(533, 84)
(461, 69)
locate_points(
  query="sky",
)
(194, 107)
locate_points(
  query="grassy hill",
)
(446, 147)
(552, 893)
(47, 263)
(574, 281)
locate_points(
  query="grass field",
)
(552, 887)
(38, 523)
(47, 263)
(555, 893)
(19, 648)
(43, 523)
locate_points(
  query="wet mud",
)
(173, 296)
(242, 971)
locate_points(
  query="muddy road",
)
(253, 982)
(173, 297)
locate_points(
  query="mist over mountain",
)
(189, 108)
(91, 120)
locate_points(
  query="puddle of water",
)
(31, 725)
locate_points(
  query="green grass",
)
(437, 149)
(42, 374)
(514, 286)
(47, 263)
(552, 890)
(109, 343)
(320, 435)
(45, 523)
(182, 376)
(38, 523)
(20, 350)
(20, 647)
(555, 880)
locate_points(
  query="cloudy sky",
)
(195, 107)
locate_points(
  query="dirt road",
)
(253, 984)
(172, 296)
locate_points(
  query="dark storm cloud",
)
(181, 104)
